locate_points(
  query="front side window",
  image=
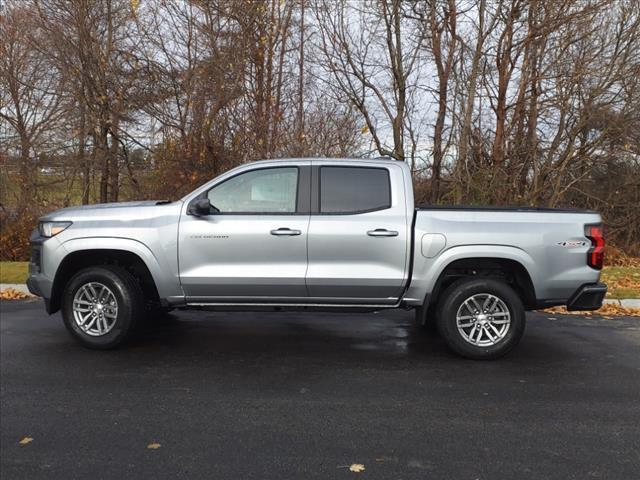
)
(268, 190)
(354, 189)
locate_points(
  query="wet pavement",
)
(293, 395)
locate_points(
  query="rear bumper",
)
(587, 297)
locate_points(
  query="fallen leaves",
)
(607, 311)
(13, 294)
(151, 446)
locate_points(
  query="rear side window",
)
(354, 189)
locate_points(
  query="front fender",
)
(164, 275)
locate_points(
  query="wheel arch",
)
(79, 259)
(508, 270)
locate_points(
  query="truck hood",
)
(99, 209)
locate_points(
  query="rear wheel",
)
(101, 306)
(481, 318)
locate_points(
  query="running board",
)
(294, 305)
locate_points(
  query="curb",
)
(21, 287)
(625, 302)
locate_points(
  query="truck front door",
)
(254, 249)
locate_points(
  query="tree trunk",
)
(443, 66)
(82, 154)
(465, 131)
(27, 172)
(103, 155)
(114, 167)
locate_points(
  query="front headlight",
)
(50, 229)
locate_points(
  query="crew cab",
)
(316, 234)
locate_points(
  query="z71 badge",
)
(575, 244)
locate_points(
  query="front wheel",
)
(481, 319)
(101, 306)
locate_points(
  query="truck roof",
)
(330, 159)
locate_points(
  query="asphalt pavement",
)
(293, 395)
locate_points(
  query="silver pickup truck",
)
(316, 234)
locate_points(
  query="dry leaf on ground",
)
(607, 310)
(153, 446)
(26, 440)
(13, 294)
(630, 282)
(356, 467)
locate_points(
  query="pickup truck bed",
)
(549, 245)
(484, 208)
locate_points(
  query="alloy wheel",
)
(95, 309)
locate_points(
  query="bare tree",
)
(91, 41)
(372, 65)
(31, 94)
(521, 102)
(439, 19)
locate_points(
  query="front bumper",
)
(41, 286)
(38, 283)
(34, 287)
(587, 297)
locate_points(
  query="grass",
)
(14, 272)
(624, 282)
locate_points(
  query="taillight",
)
(595, 255)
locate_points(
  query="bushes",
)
(15, 229)
(615, 257)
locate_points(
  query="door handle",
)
(382, 232)
(285, 232)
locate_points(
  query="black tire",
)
(129, 298)
(454, 297)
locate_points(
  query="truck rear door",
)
(359, 233)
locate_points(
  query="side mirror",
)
(201, 207)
